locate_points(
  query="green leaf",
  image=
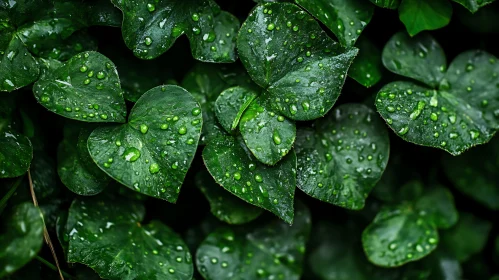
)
(18, 68)
(150, 29)
(76, 168)
(346, 19)
(473, 5)
(225, 206)
(286, 52)
(463, 113)
(107, 235)
(366, 69)
(16, 153)
(343, 159)
(272, 250)
(481, 174)
(420, 58)
(153, 151)
(420, 15)
(389, 4)
(438, 206)
(235, 169)
(65, 49)
(397, 236)
(268, 135)
(21, 237)
(86, 88)
(230, 106)
(468, 237)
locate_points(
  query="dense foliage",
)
(305, 139)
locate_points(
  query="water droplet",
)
(148, 41)
(276, 137)
(100, 75)
(103, 116)
(131, 154)
(392, 246)
(237, 176)
(118, 143)
(403, 130)
(164, 126)
(293, 110)
(151, 7)
(432, 240)
(195, 17)
(258, 178)
(434, 117)
(83, 69)
(196, 111)
(474, 134)
(252, 166)
(86, 81)
(214, 260)
(270, 27)
(154, 168)
(469, 67)
(144, 128)
(182, 130)
(305, 105)
(280, 118)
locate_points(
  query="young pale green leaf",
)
(473, 5)
(18, 68)
(77, 170)
(86, 88)
(230, 106)
(236, 169)
(397, 236)
(346, 19)
(420, 15)
(272, 250)
(479, 179)
(437, 206)
(343, 159)
(21, 237)
(420, 58)
(16, 153)
(468, 237)
(107, 235)
(151, 28)
(153, 151)
(286, 52)
(366, 69)
(389, 4)
(268, 135)
(225, 206)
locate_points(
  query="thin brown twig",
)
(46, 235)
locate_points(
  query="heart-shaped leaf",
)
(268, 135)
(77, 170)
(420, 15)
(230, 106)
(286, 52)
(16, 153)
(389, 4)
(473, 5)
(225, 206)
(420, 58)
(86, 88)
(153, 151)
(346, 19)
(462, 113)
(343, 159)
(21, 237)
(273, 250)
(236, 169)
(366, 69)
(479, 179)
(398, 235)
(107, 235)
(151, 28)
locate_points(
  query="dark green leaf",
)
(341, 161)
(438, 207)
(230, 106)
(286, 52)
(389, 4)
(150, 29)
(468, 237)
(21, 237)
(478, 179)
(420, 58)
(272, 251)
(86, 88)
(65, 49)
(420, 15)
(268, 187)
(107, 235)
(268, 135)
(473, 5)
(16, 153)
(397, 236)
(153, 151)
(346, 19)
(366, 69)
(225, 206)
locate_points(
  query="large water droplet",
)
(131, 154)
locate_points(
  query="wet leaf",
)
(21, 237)
(366, 69)
(151, 28)
(286, 52)
(271, 250)
(16, 153)
(236, 169)
(107, 235)
(420, 15)
(153, 151)
(231, 104)
(344, 157)
(389, 4)
(225, 206)
(439, 208)
(473, 5)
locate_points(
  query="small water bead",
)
(83, 69)
(171, 270)
(86, 81)
(68, 109)
(100, 75)
(305, 105)
(196, 30)
(225, 264)
(182, 130)
(299, 59)
(90, 74)
(258, 178)
(195, 17)
(174, 166)
(131, 154)
(252, 166)
(295, 28)
(154, 168)
(474, 134)
(196, 111)
(280, 118)
(270, 27)
(434, 117)
(237, 176)
(99, 86)
(403, 130)
(118, 143)
(469, 67)
(164, 126)
(276, 137)
(103, 116)
(453, 135)
(144, 128)
(151, 7)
